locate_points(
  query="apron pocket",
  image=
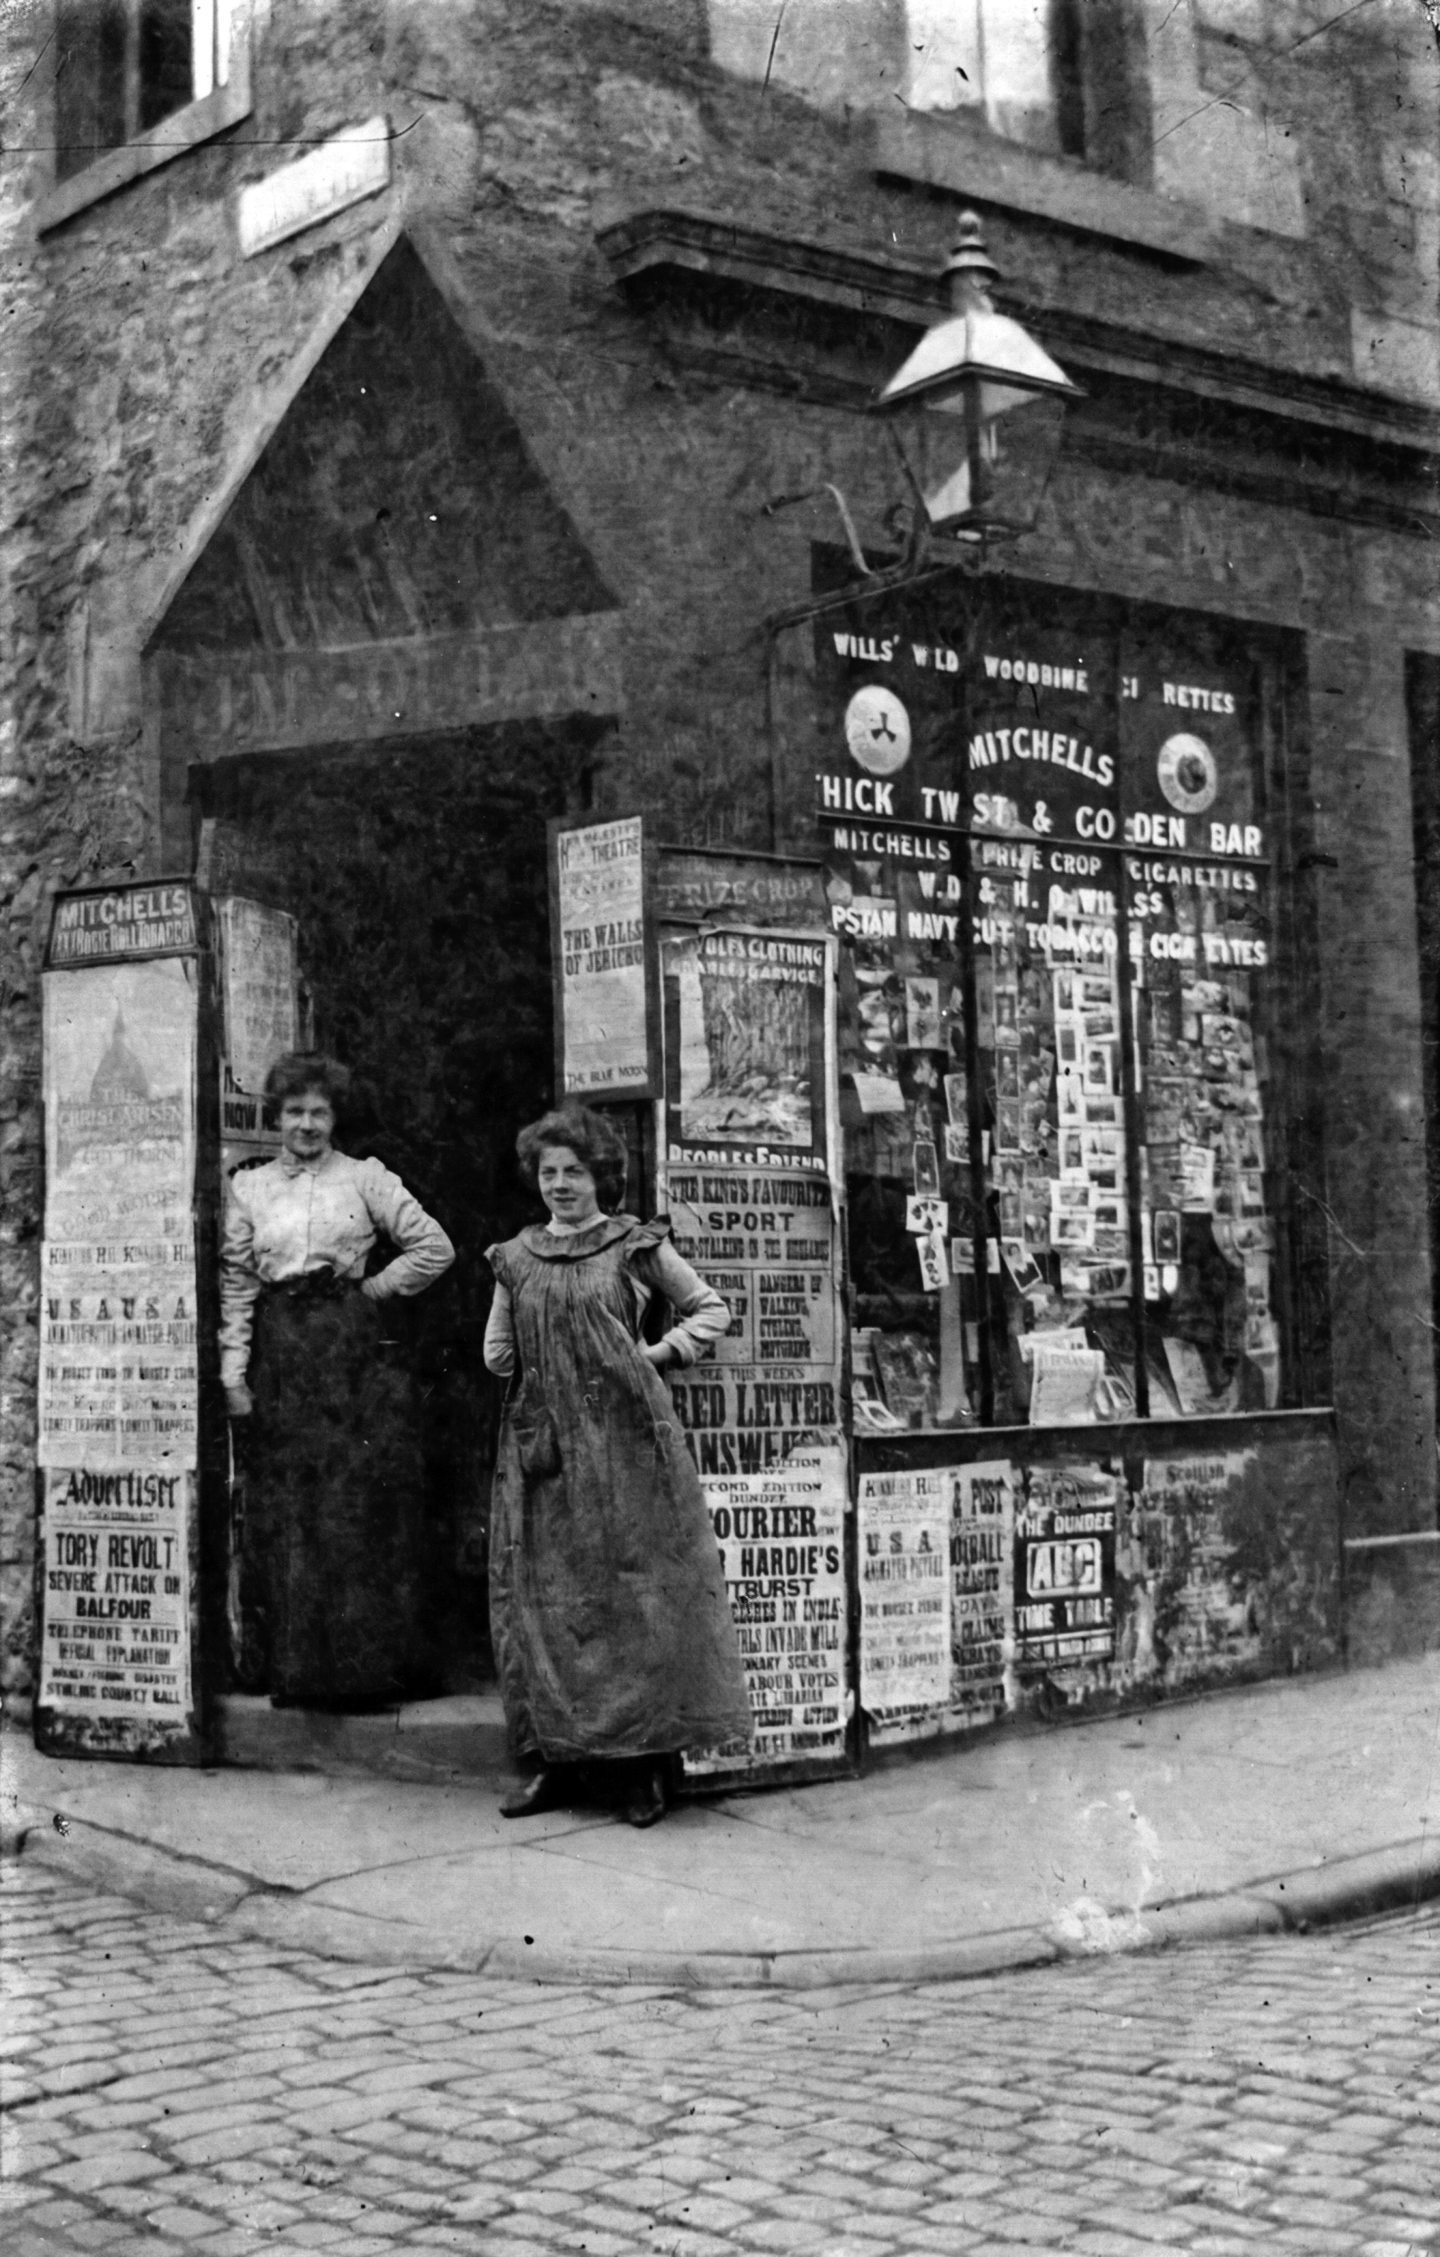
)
(538, 1442)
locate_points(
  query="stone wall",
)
(147, 363)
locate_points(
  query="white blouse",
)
(703, 1316)
(292, 1216)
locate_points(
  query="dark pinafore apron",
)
(611, 1625)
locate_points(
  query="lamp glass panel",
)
(1024, 451)
(1018, 450)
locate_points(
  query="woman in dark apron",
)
(611, 1624)
(332, 1448)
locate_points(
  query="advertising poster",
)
(747, 1020)
(118, 1368)
(744, 1136)
(1065, 1566)
(768, 1244)
(1192, 1607)
(245, 1136)
(259, 1005)
(903, 1553)
(745, 1048)
(982, 1577)
(116, 1638)
(782, 1540)
(601, 960)
(119, 1377)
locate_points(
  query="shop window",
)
(1072, 1045)
(137, 82)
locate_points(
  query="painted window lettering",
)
(1192, 699)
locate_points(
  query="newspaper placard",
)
(259, 1005)
(1065, 1566)
(118, 1367)
(982, 1601)
(782, 1540)
(745, 1145)
(745, 1138)
(603, 1019)
(904, 1570)
(116, 1636)
(1178, 1555)
(768, 1244)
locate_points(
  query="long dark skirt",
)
(334, 1499)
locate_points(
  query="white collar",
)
(572, 1230)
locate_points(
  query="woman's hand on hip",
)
(239, 1402)
(657, 1354)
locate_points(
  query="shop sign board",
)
(282, 701)
(603, 961)
(119, 1374)
(108, 924)
(741, 889)
(1060, 735)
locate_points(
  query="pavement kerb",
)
(1404, 1873)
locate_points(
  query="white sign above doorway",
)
(347, 167)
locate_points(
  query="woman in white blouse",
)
(612, 1629)
(334, 1487)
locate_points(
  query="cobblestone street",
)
(168, 2090)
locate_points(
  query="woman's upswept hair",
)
(596, 1142)
(300, 1071)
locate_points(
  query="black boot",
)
(543, 1790)
(645, 1801)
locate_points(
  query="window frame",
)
(184, 129)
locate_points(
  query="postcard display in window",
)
(1049, 871)
(746, 1138)
(119, 1389)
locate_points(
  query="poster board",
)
(119, 1370)
(259, 999)
(903, 1571)
(258, 988)
(745, 1136)
(606, 1038)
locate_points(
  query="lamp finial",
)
(970, 270)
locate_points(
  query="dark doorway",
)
(394, 533)
(417, 874)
